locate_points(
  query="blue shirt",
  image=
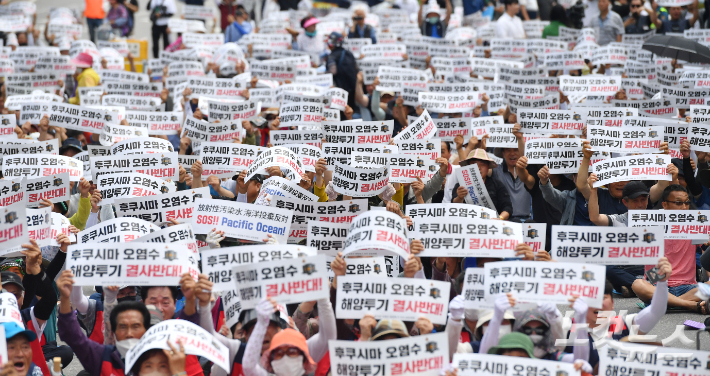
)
(235, 31)
(607, 205)
(472, 6)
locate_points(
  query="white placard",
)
(551, 121)
(423, 128)
(464, 237)
(64, 115)
(608, 245)
(625, 139)
(561, 155)
(117, 230)
(162, 208)
(590, 85)
(678, 224)
(36, 166)
(54, 188)
(473, 289)
(635, 167)
(377, 233)
(160, 165)
(360, 182)
(470, 178)
(121, 185)
(487, 365)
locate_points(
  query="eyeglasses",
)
(539, 330)
(358, 18)
(634, 6)
(679, 203)
(279, 353)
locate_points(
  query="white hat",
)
(12, 40)
(431, 8)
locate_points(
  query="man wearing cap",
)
(429, 19)
(359, 29)
(85, 75)
(19, 352)
(71, 147)
(496, 190)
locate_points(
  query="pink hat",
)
(310, 22)
(83, 60)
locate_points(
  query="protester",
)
(509, 25)
(608, 26)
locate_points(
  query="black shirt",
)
(641, 26)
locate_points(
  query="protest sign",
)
(377, 233)
(162, 208)
(470, 178)
(232, 307)
(159, 165)
(338, 98)
(39, 223)
(60, 225)
(608, 245)
(564, 61)
(11, 146)
(174, 234)
(111, 133)
(387, 298)
(699, 137)
(202, 131)
(36, 166)
(422, 128)
(486, 364)
(392, 357)
(360, 182)
(626, 139)
(136, 89)
(9, 312)
(551, 121)
(241, 220)
(456, 237)
(312, 138)
(214, 87)
(328, 238)
(590, 85)
(277, 156)
(652, 359)
(134, 263)
(218, 263)
(122, 185)
(287, 281)
(309, 210)
(561, 155)
(117, 230)
(448, 103)
(365, 132)
(678, 224)
(473, 289)
(131, 102)
(226, 160)
(533, 282)
(373, 266)
(301, 114)
(11, 191)
(309, 155)
(113, 75)
(15, 102)
(635, 167)
(427, 149)
(549, 102)
(194, 340)
(14, 230)
(277, 186)
(449, 211)
(64, 115)
(140, 145)
(54, 188)
(448, 129)
(220, 109)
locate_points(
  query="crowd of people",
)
(434, 84)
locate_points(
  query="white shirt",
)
(509, 27)
(530, 5)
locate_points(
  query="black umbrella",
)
(678, 48)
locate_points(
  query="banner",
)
(635, 167)
(15, 102)
(387, 298)
(64, 115)
(121, 185)
(470, 178)
(485, 364)
(608, 245)
(421, 129)
(162, 165)
(117, 230)
(136, 89)
(678, 224)
(464, 237)
(561, 155)
(626, 140)
(36, 166)
(392, 357)
(195, 340)
(226, 160)
(218, 263)
(241, 220)
(564, 61)
(473, 291)
(590, 85)
(118, 75)
(296, 280)
(536, 282)
(54, 188)
(278, 156)
(360, 182)
(551, 121)
(377, 233)
(133, 264)
(161, 208)
(449, 210)
(549, 102)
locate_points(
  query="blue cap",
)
(12, 329)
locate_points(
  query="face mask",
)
(128, 299)
(125, 345)
(539, 352)
(310, 34)
(504, 329)
(536, 338)
(433, 20)
(471, 314)
(288, 366)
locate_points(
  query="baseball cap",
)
(10, 277)
(512, 341)
(389, 326)
(12, 329)
(634, 189)
(71, 143)
(13, 262)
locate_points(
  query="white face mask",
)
(125, 345)
(288, 366)
(536, 338)
(471, 314)
(504, 329)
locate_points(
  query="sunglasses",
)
(634, 6)
(279, 353)
(679, 203)
(539, 331)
